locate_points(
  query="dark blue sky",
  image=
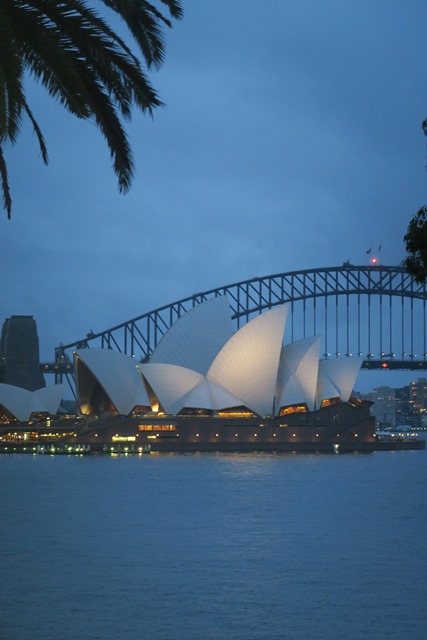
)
(291, 139)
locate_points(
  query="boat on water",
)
(398, 435)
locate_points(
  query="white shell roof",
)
(195, 338)
(297, 381)
(337, 377)
(292, 392)
(19, 402)
(251, 368)
(170, 383)
(222, 398)
(208, 395)
(247, 365)
(118, 375)
(50, 397)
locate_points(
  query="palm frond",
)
(145, 21)
(6, 197)
(105, 115)
(11, 88)
(37, 131)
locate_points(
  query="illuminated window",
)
(295, 408)
(328, 402)
(236, 412)
(157, 427)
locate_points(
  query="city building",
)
(418, 395)
(19, 353)
(383, 407)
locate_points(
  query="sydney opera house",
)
(207, 388)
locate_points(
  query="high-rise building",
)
(384, 407)
(19, 353)
(418, 395)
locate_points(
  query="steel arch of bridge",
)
(374, 311)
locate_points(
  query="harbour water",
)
(214, 547)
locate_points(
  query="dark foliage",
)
(416, 246)
(416, 241)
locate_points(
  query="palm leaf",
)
(7, 200)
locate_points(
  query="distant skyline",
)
(291, 139)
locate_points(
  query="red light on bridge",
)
(384, 365)
(374, 260)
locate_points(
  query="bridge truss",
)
(373, 311)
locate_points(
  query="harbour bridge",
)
(376, 312)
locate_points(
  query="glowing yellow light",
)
(217, 435)
(294, 435)
(157, 427)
